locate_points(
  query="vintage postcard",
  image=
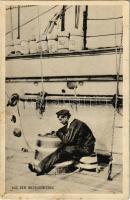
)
(65, 100)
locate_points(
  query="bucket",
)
(17, 46)
(46, 145)
(52, 43)
(63, 41)
(25, 47)
(48, 142)
(76, 41)
(33, 46)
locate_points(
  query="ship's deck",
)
(20, 179)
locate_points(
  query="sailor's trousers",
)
(64, 153)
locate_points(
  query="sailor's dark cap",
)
(63, 112)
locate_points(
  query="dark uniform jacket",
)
(78, 133)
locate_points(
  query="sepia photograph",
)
(64, 98)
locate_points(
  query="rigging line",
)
(118, 75)
(22, 128)
(104, 35)
(41, 64)
(11, 22)
(21, 6)
(119, 64)
(111, 18)
(34, 18)
(50, 22)
(56, 16)
(117, 92)
(120, 54)
(115, 110)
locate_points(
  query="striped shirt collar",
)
(70, 120)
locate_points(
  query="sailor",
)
(77, 141)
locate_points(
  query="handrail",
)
(88, 52)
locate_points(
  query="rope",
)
(115, 109)
(104, 35)
(120, 51)
(117, 89)
(13, 7)
(41, 63)
(11, 21)
(114, 119)
(45, 32)
(111, 18)
(120, 54)
(118, 69)
(22, 129)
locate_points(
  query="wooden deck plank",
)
(18, 174)
(61, 183)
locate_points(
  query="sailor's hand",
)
(51, 133)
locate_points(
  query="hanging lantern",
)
(71, 85)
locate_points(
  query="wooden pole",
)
(63, 19)
(85, 16)
(77, 15)
(18, 22)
